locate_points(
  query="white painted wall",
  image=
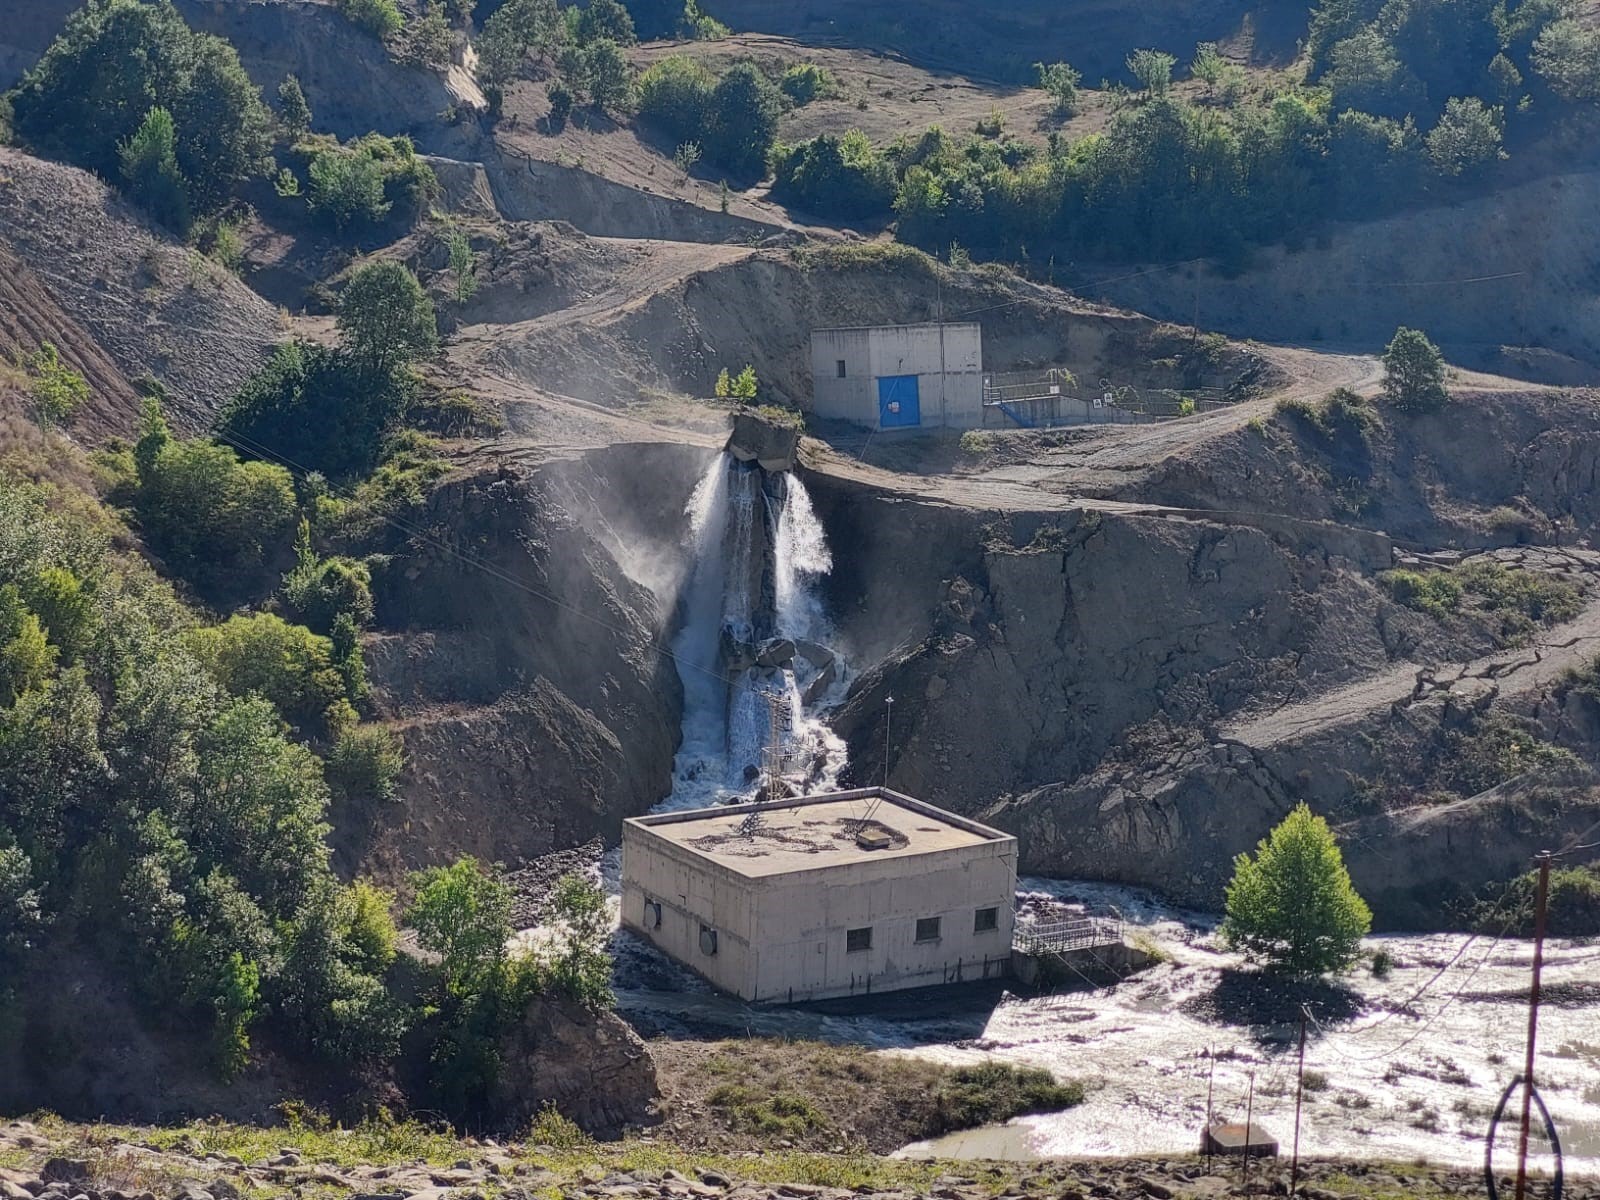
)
(953, 399)
(782, 938)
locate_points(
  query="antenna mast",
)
(775, 756)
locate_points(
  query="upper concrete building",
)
(832, 895)
(899, 376)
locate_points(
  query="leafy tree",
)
(1153, 70)
(656, 18)
(842, 178)
(293, 110)
(263, 655)
(150, 171)
(805, 82)
(580, 967)
(21, 913)
(517, 27)
(675, 97)
(115, 61)
(1293, 905)
(1468, 135)
(607, 75)
(561, 102)
(464, 263)
(380, 18)
(463, 914)
(64, 607)
(347, 190)
(427, 42)
(1061, 82)
(385, 318)
(1413, 372)
(1507, 79)
(57, 391)
(26, 655)
(318, 408)
(211, 517)
(347, 659)
(1365, 73)
(745, 108)
(1567, 57)
(1208, 66)
(606, 19)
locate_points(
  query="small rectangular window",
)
(839, 367)
(986, 920)
(927, 929)
(858, 939)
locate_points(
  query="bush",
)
(319, 589)
(675, 97)
(745, 108)
(991, 1093)
(805, 82)
(365, 763)
(1467, 136)
(428, 42)
(290, 666)
(211, 517)
(55, 389)
(1413, 372)
(359, 186)
(977, 442)
(1292, 905)
(1061, 82)
(841, 178)
(1573, 906)
(462, 913)
(316, 408)
(380, 18)
(1436, 593)
(561, 101)
(116, 61)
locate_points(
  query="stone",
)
(13, 1191)
(64, 1169)
(714, 1179)
(1156, 1188)
(755, 439)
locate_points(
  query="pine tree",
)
(1414, 372)
(150, 170)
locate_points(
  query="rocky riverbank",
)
(46, 1159)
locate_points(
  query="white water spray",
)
(759, 556)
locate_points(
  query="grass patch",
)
(1340, 413)
(977, 443)
(1574, 904)
(993, 1092)
(780, 1113)
(1522, 600)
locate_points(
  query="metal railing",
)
(1080, 933)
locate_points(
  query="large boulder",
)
(590, 1065)
(760, 440)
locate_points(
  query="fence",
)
(1079, 933)
(1035, 399)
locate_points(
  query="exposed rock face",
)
(524, 669)
(756, 439)
(592, 1066)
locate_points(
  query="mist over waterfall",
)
(753, 625)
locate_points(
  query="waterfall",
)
(753, 624)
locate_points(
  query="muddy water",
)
(1395, 1073)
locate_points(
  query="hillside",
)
(372, 547)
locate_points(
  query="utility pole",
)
(1533, 1022)
(1299, 1095)
(888, 729)
(1249, 1115)
(939, 283)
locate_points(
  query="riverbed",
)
(1411, 1065)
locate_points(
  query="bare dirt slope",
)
(155, 307)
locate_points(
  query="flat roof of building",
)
(905, 325)
(812, 832)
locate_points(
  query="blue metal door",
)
(898, 402)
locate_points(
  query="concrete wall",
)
(804, 919)
(954, 399)
(692, 891)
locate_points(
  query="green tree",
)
(264, 655)
(1468, 135)
(1413, 372)
(745, 386)
(1153, 70)
(744, 113)
(116, 60)
(657, 18)
(1292, 906)
(1567, 56)
(428, 43)
(21, 913)
(675, 98)
(1061, 83)
(57, 391)
(293, 110)
(517, 27)
(347, 189)
(64, 607)
(1208, 66)
(366, 763)
(463, 914)
(607, 76)
(26, 655)
(606, 19)
(463, 265)
(1365, 73)
(580, 966)
(150, 171)
(386, 320)
(380, 18)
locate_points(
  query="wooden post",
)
(1533, 1023)
(1299, 1094)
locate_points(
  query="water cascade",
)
(753, 627)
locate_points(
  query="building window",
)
(708, 940)
(927, 929)
(838, 366)
(986, 920)
(858, 939)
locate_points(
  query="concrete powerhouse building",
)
(831, 895)
(899, 376)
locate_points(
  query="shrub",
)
(675, 97)
(1292, 905)
(578, 965)
(367, 181)
(1573, 906)
(805, 82)
(55, 389)
(977, 442)
(264, 655)
(1413, 372)
(992, 1092)
(1153, 70)
(744, 113)
(380, 18)
(95, 87)
(317, 408)
(320, 589)
(293, 110)
(1436, 593)
(842, 178)
(1382, 963)
(428, 42)
(1467, 136)
(366, 763)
